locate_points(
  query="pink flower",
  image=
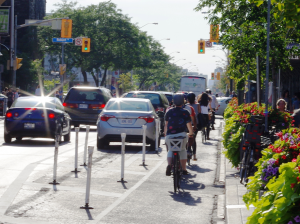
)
(294, 160)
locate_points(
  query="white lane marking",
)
(75, 189)
(238, 206)
(125, 195)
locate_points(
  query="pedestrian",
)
(10, 97)
(17, 95)
(233, 94)
(296, 101)
(286, 97)
(281, 105)
(5, 91)
(38, 91)
(57, 94)
(214, 105)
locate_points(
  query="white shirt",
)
(204, 109)
(214, 103)
(38, 92)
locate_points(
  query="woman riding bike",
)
(204, 101)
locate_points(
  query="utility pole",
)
(12, 43)
(15, 53)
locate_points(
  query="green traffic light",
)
(201, 50)
(85, 48)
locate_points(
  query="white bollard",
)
(76, 150)
(157, 123)
(144, 145)
(88, 181)
(123, 136)
(55, 162)
(85, 145)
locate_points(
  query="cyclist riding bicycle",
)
(214, 105)
(177, 120)
(204, 102)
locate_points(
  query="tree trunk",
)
(84, 76)
(104, 77)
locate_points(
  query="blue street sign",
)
(291, 45)
(215, 43)
(62, 40)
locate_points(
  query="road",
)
(26, 168)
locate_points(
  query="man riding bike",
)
(177, 120)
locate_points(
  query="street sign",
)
(62, 68)
(33, 21)
(291, 45)
(4, 21)
(208, 44)
(62, 40)
(78, 41)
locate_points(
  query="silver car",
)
(223, 102)
(126, 115)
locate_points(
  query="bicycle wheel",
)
(243, 166)
(175, 171)
(249, 166)
(203, 135)
(189, 155)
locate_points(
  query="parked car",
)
(35, 116)
(84, 104)
(126, 115)
(169, 96)
(223, 102)
(158, 100)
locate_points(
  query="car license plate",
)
(83, 106)
(126, 121)
(29, 126)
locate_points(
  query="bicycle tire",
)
(249, 166)
(243, 166)
(189, 158)
(175, 171)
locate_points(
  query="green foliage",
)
(125, 82)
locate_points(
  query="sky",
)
(176, 20)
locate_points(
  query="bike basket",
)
(257, 119)
(254, 133)
(176, 144)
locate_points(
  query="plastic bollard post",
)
(54, 182)
(85, 145)
(76, 150)
(123, 136)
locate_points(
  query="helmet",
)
(191, 97)
(178, 99)
(208, 91)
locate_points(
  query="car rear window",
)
(154, 98)
(85, 95)
(34, 102)
(169, 97)
(127, 105)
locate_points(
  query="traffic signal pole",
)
(12, 41)
(15, 54)
(63, 62)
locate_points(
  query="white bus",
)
(193, 83)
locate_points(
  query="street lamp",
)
(148, 24)
(179, 60)
(165, 39)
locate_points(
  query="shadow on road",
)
(186, 198)
(198, 169)
(48, 143)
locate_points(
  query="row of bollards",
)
(90, 154)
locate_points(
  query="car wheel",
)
(101, 144)
(7, 138)
(152, 145)
(67, 137)
(19, 138)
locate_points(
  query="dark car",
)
(35, 116)
(158, 100)
(84, 104)
(169, 96)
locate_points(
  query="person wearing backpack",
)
(204, 101)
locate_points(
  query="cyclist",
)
(191, 102)
(214, 105)
(177, 120)
(204, 102)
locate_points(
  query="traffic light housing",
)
(218, 76)
(86, 45)
(212, 76)
(214, 33)
(17, 63)
(201, 46)
(66, 28)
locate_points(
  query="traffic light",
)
(201, 46)
(212, 76)
(17, 64)
(214, 33)
(218, 76)
(86, 45)
(66, 28)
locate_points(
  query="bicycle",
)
(175, 145)
(204, 135)
(189, 148)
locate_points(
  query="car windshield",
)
(84, 95)
(154, 98)
(37, 102)
(127, 105)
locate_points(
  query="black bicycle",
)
(177, 171)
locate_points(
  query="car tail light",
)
(160, 109)
(247, 142)
(147, 119)
(16, 114)
(51, 116)
(97, 106)
(106, 117)
(175, 153)
(8, 114)
(30, 108)
(244, 148)
(70, 105)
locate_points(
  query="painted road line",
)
(238, 206)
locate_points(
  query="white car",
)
(223, 102)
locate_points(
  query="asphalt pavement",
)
(26, 196)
